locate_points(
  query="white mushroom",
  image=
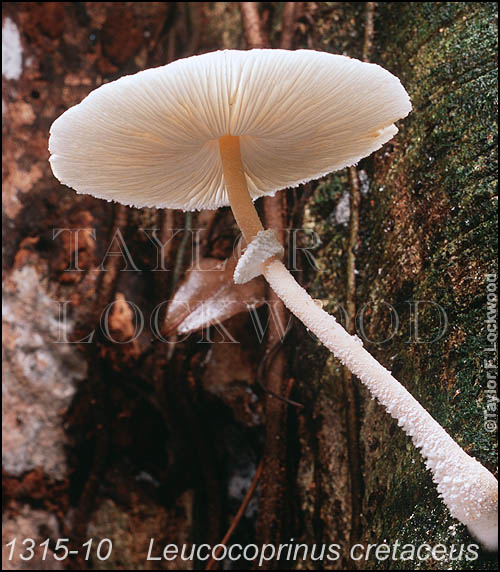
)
(152, 139)
(228, 127)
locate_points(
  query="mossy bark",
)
(428, 233)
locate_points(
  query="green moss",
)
(428, 232)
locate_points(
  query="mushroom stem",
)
(237, 189)
(469, 490)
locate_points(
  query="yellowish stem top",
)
(237, 189)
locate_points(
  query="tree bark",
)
(427, 233)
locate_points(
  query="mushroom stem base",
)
(469, 490)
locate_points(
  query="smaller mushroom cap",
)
(151, 139)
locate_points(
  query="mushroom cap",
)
(151, 139)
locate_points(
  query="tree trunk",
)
(133, 440)
(428, 233)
